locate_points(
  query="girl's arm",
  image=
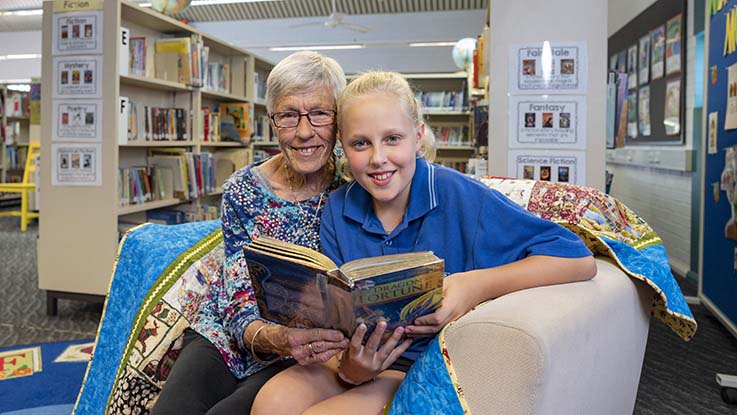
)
(464, 290)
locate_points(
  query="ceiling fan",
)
(336, 20)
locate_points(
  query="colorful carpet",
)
(42, 379)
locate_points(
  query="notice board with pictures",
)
(718, 251)
(651, 49)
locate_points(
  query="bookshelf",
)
(445, 101)
(14, 134)
(79, 229)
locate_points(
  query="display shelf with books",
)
(14, 134)
(258, 73)
(157, 144)
(445, 102)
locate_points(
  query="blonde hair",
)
(390, 83)
(301, 72)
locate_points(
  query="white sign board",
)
(76, 120)
(548, 68)
(554, 166)
(76, 165)
(549, 121)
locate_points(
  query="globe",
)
(463, 52)
(170, 6)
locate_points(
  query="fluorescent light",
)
(317, 47)
(21, 88)
(29, 12)
(145, 4)
(425, 44)
(22, 56)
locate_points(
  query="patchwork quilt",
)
(161, 272)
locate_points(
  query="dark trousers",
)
(201, 383)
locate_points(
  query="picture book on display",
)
(300, 287)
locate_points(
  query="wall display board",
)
(653, 44)
(718, 268)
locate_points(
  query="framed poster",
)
(643, 63)
(657, 52)
(673, 45)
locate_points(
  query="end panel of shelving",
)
(77, 224)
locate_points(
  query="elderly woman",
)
(230, 352)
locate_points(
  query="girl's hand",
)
(458, 299)
(362, 363)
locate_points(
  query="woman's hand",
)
(362, 363)
(306, 346)
(458, 299)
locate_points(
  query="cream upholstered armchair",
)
(565, 349)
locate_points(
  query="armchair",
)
(571, 348)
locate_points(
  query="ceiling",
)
(259, 10)
(258, 26)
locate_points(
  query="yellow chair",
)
(25, 188)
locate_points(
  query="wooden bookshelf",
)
(451, 119)
(12, 170)
(78, 233)
(127, 210)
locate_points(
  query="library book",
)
(299, 287)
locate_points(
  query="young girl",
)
(399, 203)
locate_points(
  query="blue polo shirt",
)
(461, 220)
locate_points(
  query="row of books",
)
(140, 122)
(15, 157)
(452, 136)
(175, 173)
(454, 164)
(172, 216)
(176, 59)
(10, 133)
(262, 129)
(209, 125)
(16, 105)
(442, 100)
(217, 76)
(259, 85)
(142, 184)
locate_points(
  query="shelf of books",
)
(444, 98)
(14, 134)
(185, 106)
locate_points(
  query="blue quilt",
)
(161, 272)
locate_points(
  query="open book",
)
(299, 287)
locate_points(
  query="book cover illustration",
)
(238, 111)
(306, 290)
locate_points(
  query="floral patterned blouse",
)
(249, 209)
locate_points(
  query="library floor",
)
(677, 376)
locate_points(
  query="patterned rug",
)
(42, 378)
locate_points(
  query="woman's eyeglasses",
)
(290, 119)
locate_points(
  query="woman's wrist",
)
(259, 339)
